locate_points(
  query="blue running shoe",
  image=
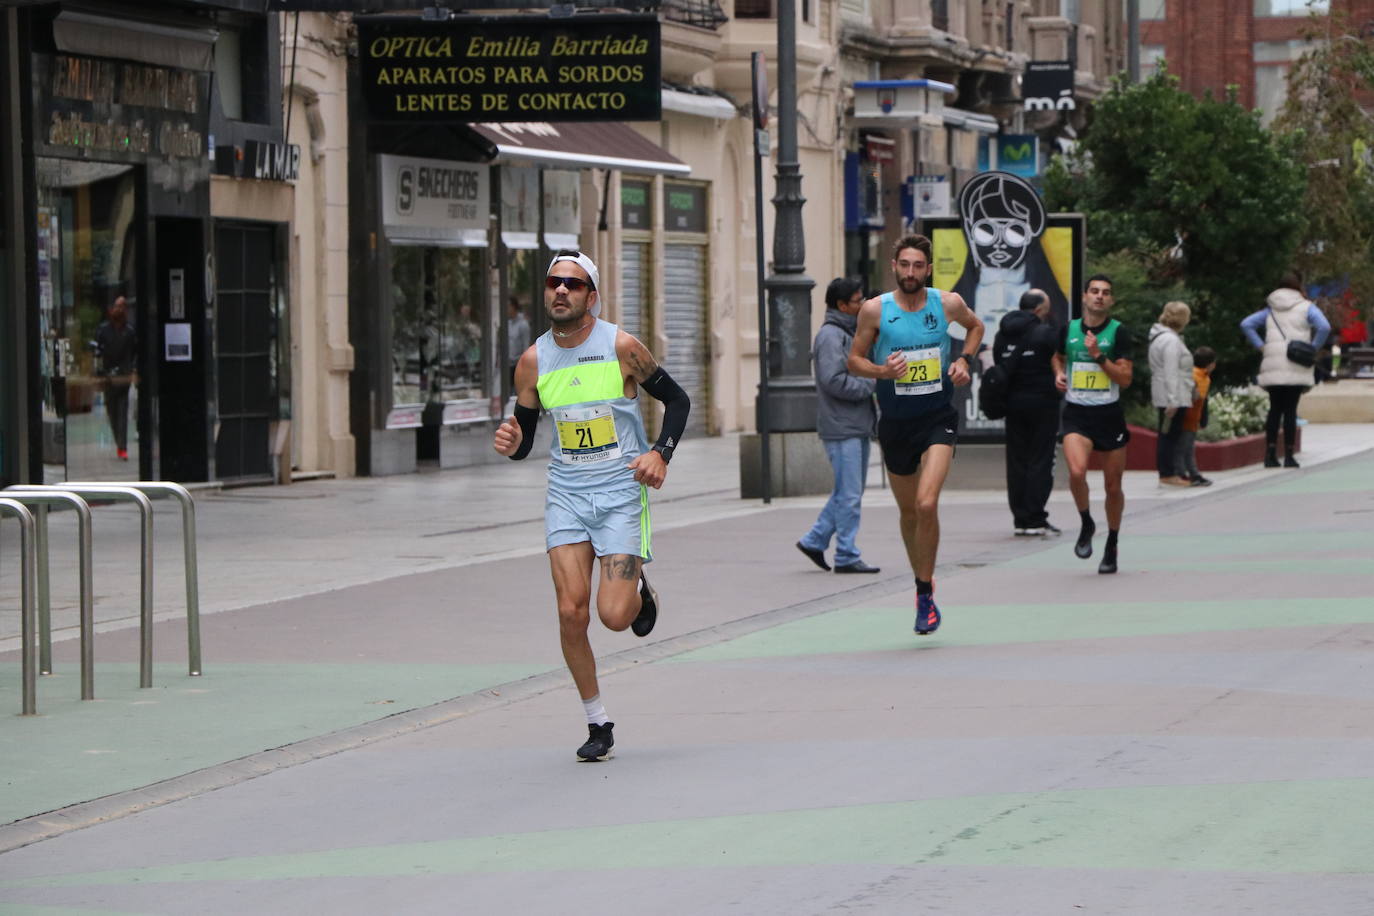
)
(927, 615)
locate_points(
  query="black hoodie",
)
(1032, 380)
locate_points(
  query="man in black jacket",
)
(845, 420)
(1026, 343)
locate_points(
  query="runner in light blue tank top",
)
(600, 469)
(597, 430)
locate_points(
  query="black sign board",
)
(119, 110)
(684, 207)
(511, 68)
(1048, 86)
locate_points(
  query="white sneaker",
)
(1029, 532)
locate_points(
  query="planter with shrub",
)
(1233, 437)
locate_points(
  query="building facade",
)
(1246, 44)
(328, 332)
(145, 298)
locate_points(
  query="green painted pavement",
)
(1223, 548)
(1354, 476)
(127, 738)
(1272, 827)
(880, 629)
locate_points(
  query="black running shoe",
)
(1052, 531)
(1108, 564)
(648, 608)
(1084, 548)
(599, 743)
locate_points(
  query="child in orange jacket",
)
(1204, 361)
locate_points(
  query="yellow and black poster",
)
(1002, 244)
(511, 68)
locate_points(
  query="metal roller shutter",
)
(634, 257)
(684, 321)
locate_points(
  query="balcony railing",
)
(704, 14)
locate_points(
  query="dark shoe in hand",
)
(816, 556)
(858, 566)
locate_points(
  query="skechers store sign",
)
(435, 200)
(597, 68)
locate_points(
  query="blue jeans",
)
(840, 517)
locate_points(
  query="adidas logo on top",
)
(575, 382)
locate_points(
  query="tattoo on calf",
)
(620, 566)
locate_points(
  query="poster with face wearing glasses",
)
(1002, 244)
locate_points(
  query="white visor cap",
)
(581, 260)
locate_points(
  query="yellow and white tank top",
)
(597, 430)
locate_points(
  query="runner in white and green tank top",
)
(587, 374)
(1092, 367)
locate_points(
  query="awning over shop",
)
(970, 120)
(590, 145)
(133, 39)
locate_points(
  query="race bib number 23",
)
(923, 372)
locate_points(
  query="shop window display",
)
(440, 321)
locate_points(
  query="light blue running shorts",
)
(616, 522)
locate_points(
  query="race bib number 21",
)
(586, 435)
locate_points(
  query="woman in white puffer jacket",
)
(1288, 315)
(1171, 386)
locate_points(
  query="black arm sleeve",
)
(676, 406)
(528, 418)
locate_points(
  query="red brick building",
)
(1250, 44)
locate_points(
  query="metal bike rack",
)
(41, 501)
(156, 489)
(114, 491)
(29, 575)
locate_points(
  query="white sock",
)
(596, 713)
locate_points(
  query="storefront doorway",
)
(89, 320)
(248, 335)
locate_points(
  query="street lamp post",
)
(792, 394)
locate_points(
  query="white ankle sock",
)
(596, 713)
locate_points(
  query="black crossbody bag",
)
(1299, 351)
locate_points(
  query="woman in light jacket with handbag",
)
(1171, 387)
(1287, 317)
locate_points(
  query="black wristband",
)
(968, 359)
(666, 451)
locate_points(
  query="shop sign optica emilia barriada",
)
(511, 68)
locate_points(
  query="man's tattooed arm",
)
(635, 357)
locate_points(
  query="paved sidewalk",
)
(403, 651)
(264, 544)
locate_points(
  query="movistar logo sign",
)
(1017, 153)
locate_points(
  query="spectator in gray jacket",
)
(1171, 386)
(846, 421)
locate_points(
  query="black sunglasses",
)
(553, 281)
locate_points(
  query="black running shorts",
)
(905, 439)
(1105, 426)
